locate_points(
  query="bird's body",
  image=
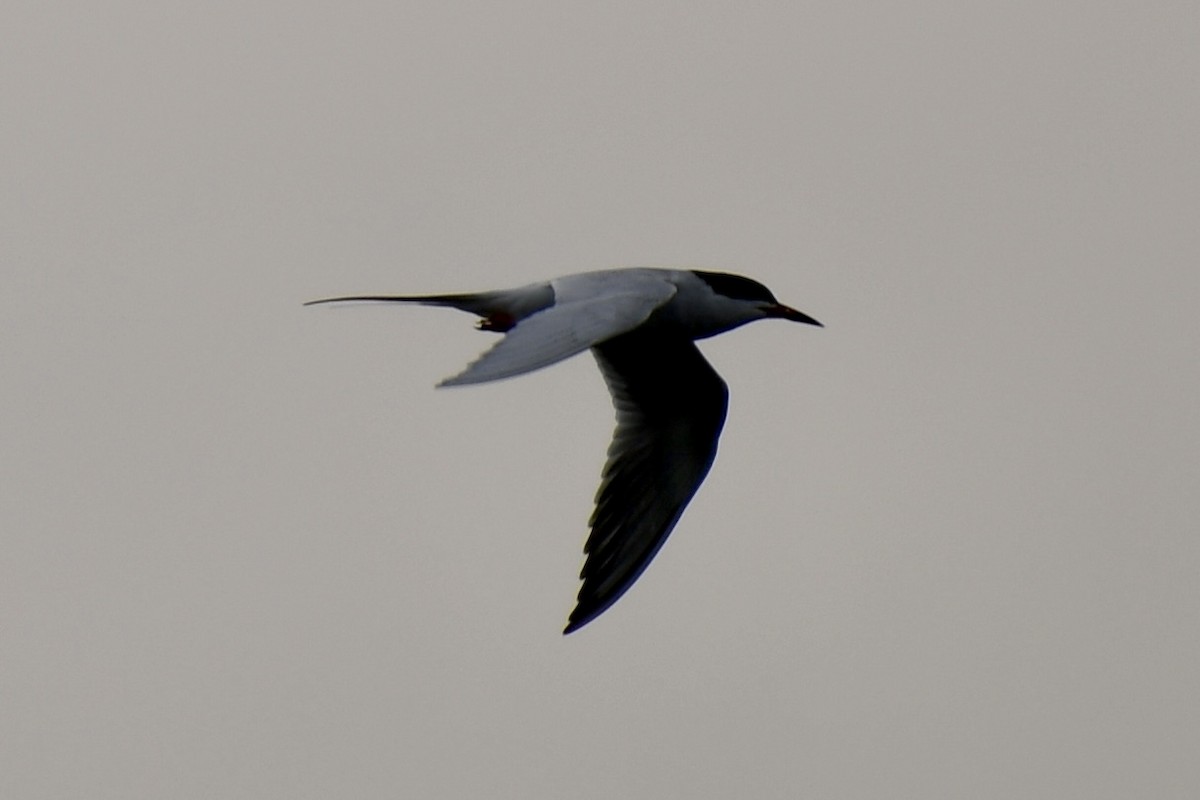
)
(640, 324)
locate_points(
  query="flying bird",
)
(640, 324)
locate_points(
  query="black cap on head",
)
(736, 286)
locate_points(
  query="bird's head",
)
(744, 300)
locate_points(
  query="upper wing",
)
(670, 408)
(575, 322)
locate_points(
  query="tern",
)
(640, 324)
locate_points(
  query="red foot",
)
(498, 321)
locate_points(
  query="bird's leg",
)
(498, 321)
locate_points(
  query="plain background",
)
(949, 547)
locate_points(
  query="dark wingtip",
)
(586, 611)
(579, 618)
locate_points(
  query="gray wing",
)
(547, 322)
(670, 408)
(570, 326)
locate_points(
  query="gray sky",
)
(949, 546)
